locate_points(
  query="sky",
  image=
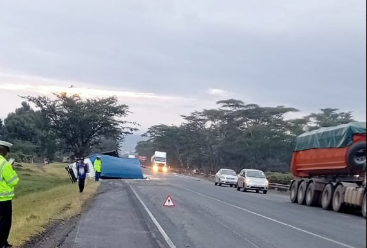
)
(165, 58)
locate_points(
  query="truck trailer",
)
(329, 166)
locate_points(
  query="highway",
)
(208, 216)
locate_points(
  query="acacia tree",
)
(81, 124)
(236, 135)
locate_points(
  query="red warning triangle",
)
(169, 202)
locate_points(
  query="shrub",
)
(280, 178)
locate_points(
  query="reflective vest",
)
(8, 180)
(98, 165)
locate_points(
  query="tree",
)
(81, 124)
(329, 117)
(236, 135)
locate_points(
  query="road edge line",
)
(155, 221)
(270, 219)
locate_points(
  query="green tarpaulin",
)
(330, 137)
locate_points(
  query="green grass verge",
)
(43, 194)
(36, 179)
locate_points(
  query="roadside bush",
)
(280, 178)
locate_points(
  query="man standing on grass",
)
(98, 167)
(8, 180)
(82, 170)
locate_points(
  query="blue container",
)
(122, 168)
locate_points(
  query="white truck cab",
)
(159, 162)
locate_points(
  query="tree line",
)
(65, 126)
(236, 135)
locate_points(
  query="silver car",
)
(252, 180)
(226, 177)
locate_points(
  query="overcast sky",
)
(170, 57)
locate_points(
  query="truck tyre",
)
(312, 196)
(215, 183)
(364, 206)
(265, 192)
(238, 188)
(327, 196)
(356, 155)
(338, 199)
(294, 192)
(301, 196)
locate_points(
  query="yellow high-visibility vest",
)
(8, 180)
(98, 165)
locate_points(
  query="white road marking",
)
(155, 221)
(270, 219)
(236, 233)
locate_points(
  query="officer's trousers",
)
(6, 211)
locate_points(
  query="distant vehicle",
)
(252, 180)
(226, 177)
(159, 162)
(329, 166)
(132, 157)
(143, 161)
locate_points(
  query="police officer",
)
(98, 168)
(8, 180)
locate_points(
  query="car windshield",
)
(255, 174)
(163, 160)
(228, 172)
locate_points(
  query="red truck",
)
(329, 166)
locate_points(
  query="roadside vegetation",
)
(279, 178)
(236, 135)
(44, 194)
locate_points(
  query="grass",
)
(44, 194)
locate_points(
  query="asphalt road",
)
(131, 214)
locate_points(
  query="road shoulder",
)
(114, 218)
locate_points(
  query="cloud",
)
(162, 55)
(218, 92)
(39, 85)
(147, 108)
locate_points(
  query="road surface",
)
(130, 213)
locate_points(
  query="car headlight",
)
(248, 180)
(165, 169)
(266, 182)
(155, 168)
(223, 178)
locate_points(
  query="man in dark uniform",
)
(82, 170)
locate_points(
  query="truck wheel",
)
(265, 192)
(327, 196)
(356, 156)
(215, 183)
(312, 196)
(301, 196)
(238, 188)
(338, 199)
(294, 192)
(364, 206)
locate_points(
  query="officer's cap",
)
(6, 144)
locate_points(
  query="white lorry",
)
(159, 162)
